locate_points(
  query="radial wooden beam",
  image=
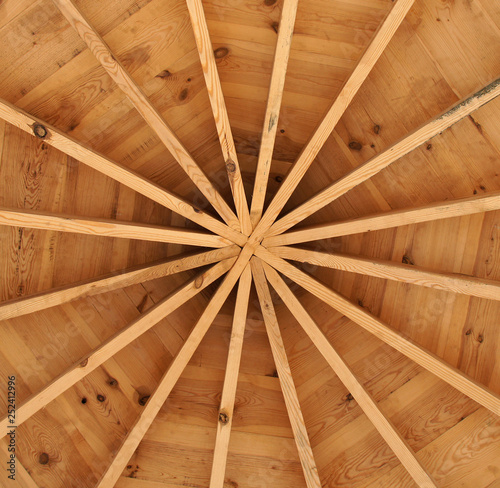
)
(112, 281)
(212, 80)
(405, 145)
(275, 96)
(347, 93)
(456, 283)
(395, 339)
(285, 376)
(154, 119)
(175, 369)
(87, 156)
(116, 343)
(382, 423)
(108, 228)
(230, 381)
(396, 218)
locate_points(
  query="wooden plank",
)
(116, 343)
(456, 283)
(381, 422)
(395, 339)
(349, 90)
(281, 56)
(100, 163)
(396, 218)
(108, 228)
(155, 120)
(142, 424)
(230, 381)
(405, 145)
(212, 80)
(112, 281)
(285, 376)
(22, 478)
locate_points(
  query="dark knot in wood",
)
(43, 458)
(355, 146)
(84, 363)
(221, 52)
(198, 282)
(223, 418)
(40, 131)
(101, 398)
(143, 400)
(230, 166)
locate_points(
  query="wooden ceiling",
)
(333, 170)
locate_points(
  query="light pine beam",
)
(381, 330)
(212, 80)
(151, 115)
(405, 145)
(379, 420)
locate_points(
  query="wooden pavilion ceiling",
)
(250, 243)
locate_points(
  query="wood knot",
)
(376, 129)
(164, 74)
(221, 52)
(84, 363)
(40, 131)
(407, 260)
(429, 147)
(183, 94)
(113, 382)
(480, 339)
(43, 458)
(269, 3)
(198, 282)
(101, 398)
(223, 418)
(355, 146)
(230, 166)
(275, 26)
(143, 400)
(278, 179)
(468, 332)
(197, 210)
(349, 397)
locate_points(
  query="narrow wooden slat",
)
(108, 228)
(212, 80)
(230, 381)
(349, 90)
(112, 281)
(87, 156)
(396, 218)
(116, 343)
(466, 285)
(395, 339)
(275, 96)
(285, 376)
(154, 119)
(405, 145)
(382, 423)
(175, 369)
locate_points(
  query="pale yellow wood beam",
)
(281, 56)
(395, 218)
(150, 114)
(231, 381)
(405, 145)
(393, 338)
(112, 281)
(116, 343)
(108, 228)
(380, 421)
(212, 80)
(454, 282)
(100, 163)
(347, 93)
(285, 376)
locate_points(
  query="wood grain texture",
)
(398, 341)
(207, 58)
(280, 64)
(226, 409)
(121, 77)
(396, 218)
(407, 144)
(119, 173)
(381, 422)
(467, 285)
(117, 342)
(108, 228)
(285, 376)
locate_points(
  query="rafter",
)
(230, 381)
(281, 56)
(347, 93)
(393, 338)
(453, 282)
(150, 114)
(142, 424)
(396, 218)
(285, 376)
(212, 80)
(116, 343)
(112, 281)
(405, 145)
(100, 163)
(108, 228)
(380, 421)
